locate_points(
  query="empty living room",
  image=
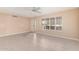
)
(39, 29)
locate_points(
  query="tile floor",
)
(37, 42)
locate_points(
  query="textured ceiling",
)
(27, 11)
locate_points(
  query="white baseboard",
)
(12, 34)
(60, 36)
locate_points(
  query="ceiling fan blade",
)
(36, 9)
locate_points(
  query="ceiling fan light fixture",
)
(36, 9)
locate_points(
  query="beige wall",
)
(13, 25)
(70, 24)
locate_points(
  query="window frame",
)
(55, 23)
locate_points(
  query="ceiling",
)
(27, 11)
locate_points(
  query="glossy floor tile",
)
(37, 42)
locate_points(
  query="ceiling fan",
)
(36, 9)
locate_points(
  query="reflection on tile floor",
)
(37, 42)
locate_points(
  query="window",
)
(45, 23)
(58, 27)
(54, 23)
(52, 27)
(58, 23)
(52, 20)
